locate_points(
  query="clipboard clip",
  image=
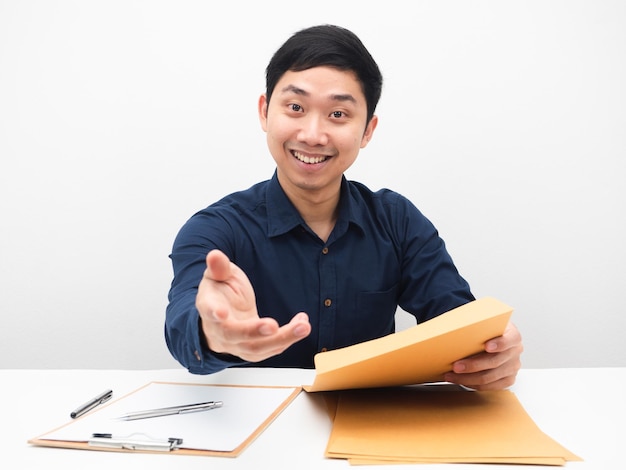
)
(135, 441)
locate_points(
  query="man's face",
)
(315, 125)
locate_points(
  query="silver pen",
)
(171, 410)
(95, 401)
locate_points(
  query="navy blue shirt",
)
(382, 253)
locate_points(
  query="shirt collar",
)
(282, 216)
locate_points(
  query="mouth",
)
(309, 159)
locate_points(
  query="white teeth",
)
(305, 159)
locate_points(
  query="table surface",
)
(582, 409)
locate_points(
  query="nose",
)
(312, 130)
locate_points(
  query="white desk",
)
(582, 409)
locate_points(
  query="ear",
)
(262, 108)
(369, 131)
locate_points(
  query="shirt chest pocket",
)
(374, 315)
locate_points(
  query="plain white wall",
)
(503, 121)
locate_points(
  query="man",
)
(308, 261)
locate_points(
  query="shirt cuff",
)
(207, 361)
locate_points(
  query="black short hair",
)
(332, 46)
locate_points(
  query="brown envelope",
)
(438, 424)
(422, 353)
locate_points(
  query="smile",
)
(307, 159)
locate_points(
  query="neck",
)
(318, 209)
(321, 218)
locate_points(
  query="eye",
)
(295, 107)
(337, 114)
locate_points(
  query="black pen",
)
(85, 407)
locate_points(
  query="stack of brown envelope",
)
(436, 424)
(379, 417)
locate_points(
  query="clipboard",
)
(226, 431)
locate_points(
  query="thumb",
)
(218, 266)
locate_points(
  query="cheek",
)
(276, 137)
(278, 130)
(350, 143)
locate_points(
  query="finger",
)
(486, 371)
(299, 325)
(298, 328)
(510, 338)
(482, 381)
(478, 380)
(289, 334)
(238, 331)
(262, 331)
(226, 334)
(480, 362)
(263, 338)
(219, 314)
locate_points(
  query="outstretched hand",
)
(230, 321)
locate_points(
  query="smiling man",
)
(309, 261)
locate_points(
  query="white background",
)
(505, 123)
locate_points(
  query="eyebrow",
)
(335, 97)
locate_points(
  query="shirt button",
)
(327, 302)
(325, 250)
(197, 354)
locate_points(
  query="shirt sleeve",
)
(431, 283)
